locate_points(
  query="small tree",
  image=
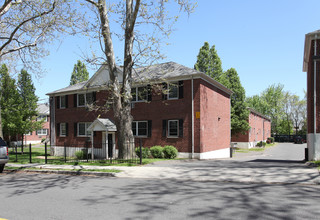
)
(239, 111)
(10, 102)
(28, 104)
(79, 73)
(208, 61)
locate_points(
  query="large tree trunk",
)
(1, 132)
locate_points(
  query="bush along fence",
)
(101, 153)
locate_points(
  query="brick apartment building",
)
(35, 137)
(260, 130)
(194, 116)
(311, 61)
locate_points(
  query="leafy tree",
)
(28, 106)
(140, 46)
(10, 101)
(27, 26)
(239, 111)
(79, 73)
(208, 61)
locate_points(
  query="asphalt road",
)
(49, 196)
(35, 196)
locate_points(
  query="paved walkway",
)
(280, 164)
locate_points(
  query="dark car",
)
(4, 156)
(299, 140)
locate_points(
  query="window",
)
(140, 128)
(42, 132)
(173, 128)
(42, 117)
(62, 101)
(82, 129)
(63, 130)
(30, 133)
(85, 99)
(139, 94)
(173, 92)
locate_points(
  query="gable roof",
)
(258, 113)
(43, 109)
(169, 71)
(307, 47)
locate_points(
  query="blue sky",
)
(262, 39)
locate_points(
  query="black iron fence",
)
(81, 153)
(289, 138)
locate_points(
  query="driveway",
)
(282, 163)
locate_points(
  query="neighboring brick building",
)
(260, 130)
(36, 136)
(194, 115)
(311, 61)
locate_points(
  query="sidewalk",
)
(193, 170)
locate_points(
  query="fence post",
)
(140, 151)
(87, 151)
(30, 156)
(65, 152)
(45, 153)
(16, 147)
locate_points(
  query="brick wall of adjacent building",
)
(212, 133)
(33, 137)
(260, 129)
(310, 89)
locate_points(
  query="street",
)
(49, 196)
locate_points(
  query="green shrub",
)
(157, 152)
(261, 144)
(271, 139)
(145, 152)
(80, 155)
(170, 152)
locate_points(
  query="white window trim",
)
(87, 124)
(40, 117)
(173, 136)
(137, 128)
(137, 94)
(168, 95)
(28, 134)
(62, 107)
(63, 135)
(42, 134)
(85, 101)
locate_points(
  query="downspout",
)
(192, 120)
(315, 97)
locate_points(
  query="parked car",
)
(299, 140)
(4, 154)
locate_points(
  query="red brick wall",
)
(158, 110)
(34, 137)
(258, 125)
(214, 118)
(310, 89)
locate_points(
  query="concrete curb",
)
(67, 172)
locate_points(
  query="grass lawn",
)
(38, 156)
(256, 149)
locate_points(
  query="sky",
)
(262, 39)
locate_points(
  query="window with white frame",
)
(140, 128)
(84, 99)
(139, 94)
(82, 129)
(30, 133)
(42, 132)
(63, 101)
(173, 92)
(63, 129)
(42, 117)
(173, 128)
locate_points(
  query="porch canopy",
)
(102, 124)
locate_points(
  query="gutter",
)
(315, 96)
(192, 120)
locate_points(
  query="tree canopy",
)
(79, 73)
(208, 61)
